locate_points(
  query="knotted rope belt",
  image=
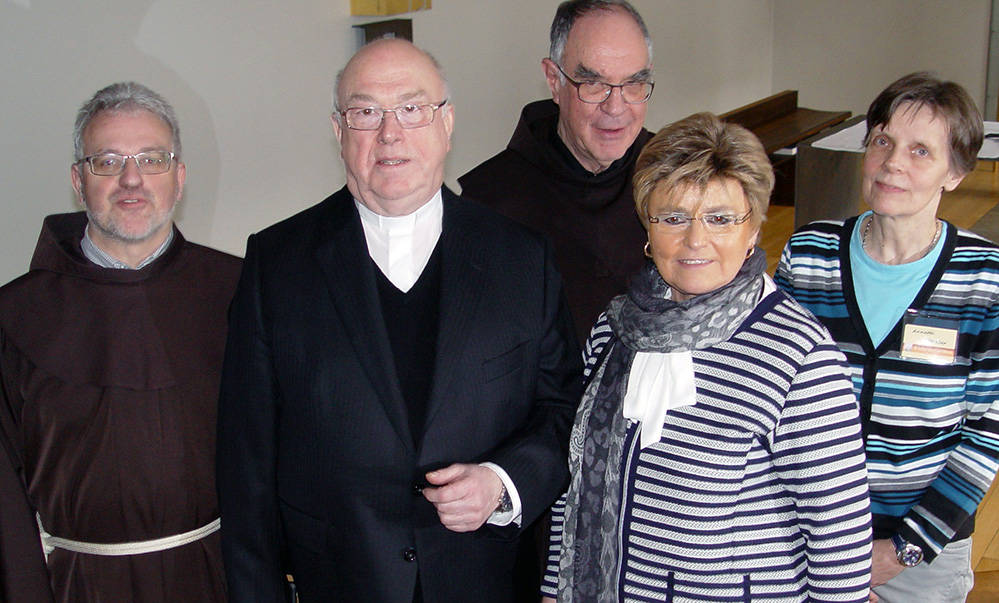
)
(51, 543)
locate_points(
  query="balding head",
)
(393, 170)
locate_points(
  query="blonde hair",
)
(697, 150)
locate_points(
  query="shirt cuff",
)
(514, 515)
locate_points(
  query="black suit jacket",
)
(318, 474)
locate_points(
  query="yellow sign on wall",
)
(365, 8)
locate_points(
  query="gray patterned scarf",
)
(642, 321)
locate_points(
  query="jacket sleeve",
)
(954, 495)
(818, 451)
(784, 276)
(247, 448)
(593, 353)
(23, 575)
(535, 456)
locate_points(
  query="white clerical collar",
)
(401, 245)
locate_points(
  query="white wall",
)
(251, 83)
(840, 54)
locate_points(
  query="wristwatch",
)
(908, 554)
(505, 502)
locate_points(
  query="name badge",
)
(929, 337)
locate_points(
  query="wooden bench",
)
(780, 123)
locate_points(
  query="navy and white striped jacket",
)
(758, 491)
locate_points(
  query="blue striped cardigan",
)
(932, 432)
(757, 492)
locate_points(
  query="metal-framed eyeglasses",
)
(678, 222)
(149, 163)
(594, 93)
(409, 116)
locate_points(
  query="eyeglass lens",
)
(408, 116)
(632, 92)
(112, 164)
(712, 222)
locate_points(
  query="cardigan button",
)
(417, 490)
(409, 554)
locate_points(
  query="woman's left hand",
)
(884, 562)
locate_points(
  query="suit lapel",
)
(343, 257)
(462, 284)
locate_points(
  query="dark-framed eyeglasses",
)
(677, 222)
(594, 93)
(408, 116)
(149, 163)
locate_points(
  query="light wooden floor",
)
(978, 193)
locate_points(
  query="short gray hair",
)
(339, 76)
(949, 100)
(569, 11)
(125, 97)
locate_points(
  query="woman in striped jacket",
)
(914, 304)
(716, 454)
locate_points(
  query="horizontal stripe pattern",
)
(759, 489)
(932, 431)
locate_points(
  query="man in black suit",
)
(401, 374)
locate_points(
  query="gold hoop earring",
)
(751, 251)
(648, 249)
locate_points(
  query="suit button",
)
(417, 490)
(409, 554)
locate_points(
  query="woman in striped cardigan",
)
(914, 304)
(716, 454)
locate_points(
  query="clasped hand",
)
(464, 494)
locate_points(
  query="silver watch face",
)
(910, 555)
(505, 503)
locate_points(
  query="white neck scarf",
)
(660, 382)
